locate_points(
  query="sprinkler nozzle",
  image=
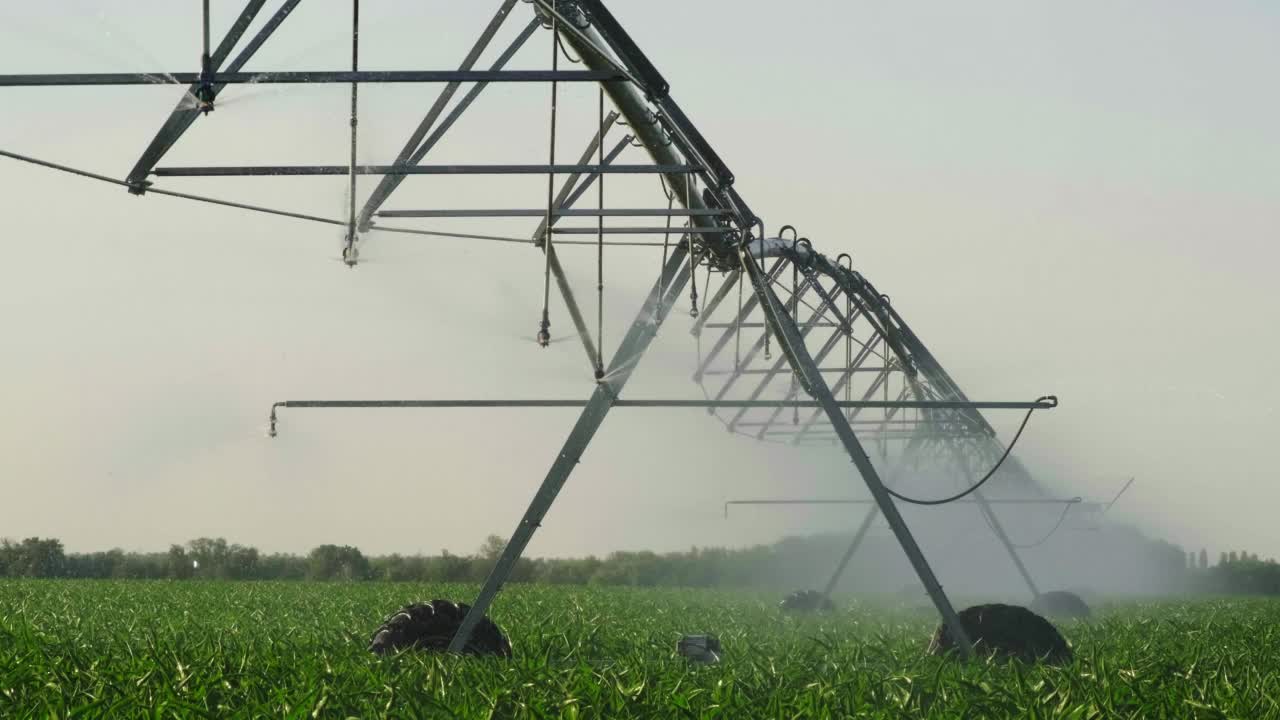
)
(271, 431)
(544, 333)
(205, 93)
(351, 255)
(599, 374)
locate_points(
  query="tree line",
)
(215, 558)
(787, 563)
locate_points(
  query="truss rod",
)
(639, 231)
(731, 332)
(757, 325)
(841, 383)
(409, 155)
(254, 170)
(761, 371)
(565, 212)
(553, 259)
(727, 284)
(825, 350)
(867, 423)
(185, 114)
(829, 435)
(342, 77)
(777, 366)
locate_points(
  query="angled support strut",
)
(675, 274)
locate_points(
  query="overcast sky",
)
(1072, 198)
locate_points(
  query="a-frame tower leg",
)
(811, 379)
(861, 533)
(675, 275)
(984, 507)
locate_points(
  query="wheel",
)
(431, 626)
(1008, 632)
(807, 601)
(1061, 604)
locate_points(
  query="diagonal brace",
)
(674, 276)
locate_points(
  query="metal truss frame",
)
(721, 233)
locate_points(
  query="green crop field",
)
(135, 649)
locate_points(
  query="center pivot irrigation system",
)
(848, 369)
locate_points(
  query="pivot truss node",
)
(793, 347)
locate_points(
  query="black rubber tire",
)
(1061, 604)
(430, 626)
(1007, 632)
(806, 601)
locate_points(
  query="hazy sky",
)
(1077, 198)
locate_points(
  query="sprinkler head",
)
(599, 374)
(204, 97)
(350, 255)
(693, 312)
(544, 334)
(271, 431)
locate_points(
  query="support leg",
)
(809, 376)
(984, 507)
(675, 274)
(872, 514)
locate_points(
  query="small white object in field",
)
(700, 648)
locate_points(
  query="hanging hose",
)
(985, 478)
(350, 255)
(599, 374)
(666, 243)
(544, 327)
(565, 50)
(848, 337)
(766, 297)
(688, 238)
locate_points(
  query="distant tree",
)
(178, 564)
(1204, 559)
(209, 556)
(337, 562)
(492, 547)
(449, 568)
(34, 557)
(1232, 557)
(278, 566)
(241, 563)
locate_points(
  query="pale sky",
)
(1071, 198)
